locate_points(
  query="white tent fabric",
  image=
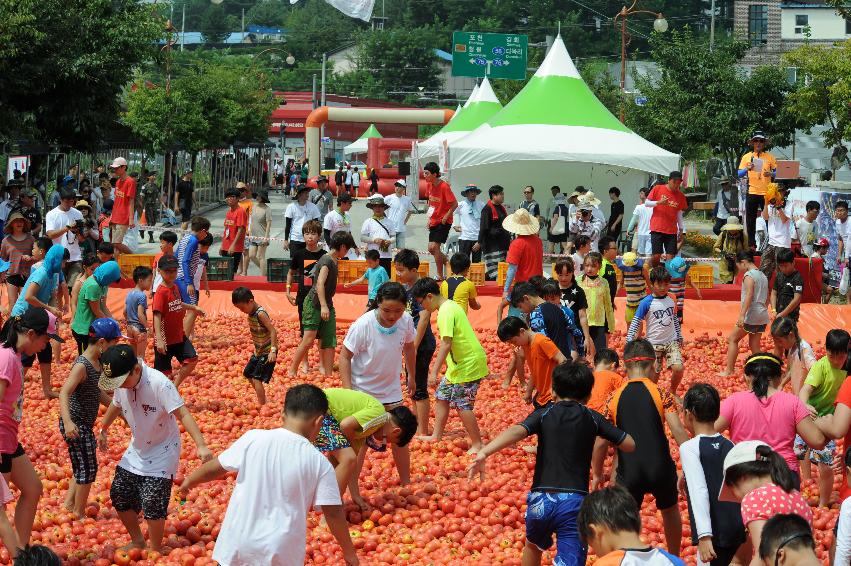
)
(361, 145)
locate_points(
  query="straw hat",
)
(17, 216)
(83, 204)
(522, 223)
(588, 199)
(733, 223)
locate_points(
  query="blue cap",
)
(106, 328)
(677, 267)
(4, 266)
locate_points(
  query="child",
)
(680, 279)
(151, 405)
(609, 251)
(819, 394)
(798, 353)
(788, 539)
(457, 287)
(753, 314)
(843, 523)
(188, 265)
(545, 318)
(601, 315)
(640, 409)
(716, 527)
(105, 252)
(606, 379)
(634, 279)
(788, 286)
(168, 240)
(235, 227)
(301, 270)
(551, 293)
(829, 277)
(582, 245)
(90, 263)
(17, 249)
(375, 275)
(663, 327)
(261, 365)
(562, 464)
(730, 241)
(573, 297)
(79, 401)
(466, 366)
(136, 309)
(407, 264)
(541, 356)
(318, 317)
(91, 303)
(281, 468)
(169, 309)
(609, 522)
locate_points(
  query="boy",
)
(318, 317)
(91, 302)
(609, 522)
(541, 355)
(640, 409)
(842, 531)
(663, 326)
(606, 379)
(151, 405)
(788, 286)
(236, 224)
(582, 245)
(551, 293)
(634, 280)
(843, 230)
(466, 366)
(819, 394)
(787, 539)
(562, 464)
(189, 263)
(136, 309)
(169, 309)
(544, 317)
(168, 240)
(106, 252)
(407, 264)
(777, 216)
(303, 260)
(261, 365)
(457, 287)
(829, 277)
(680, 279)
(716, 527)
(281, 468)
(374, 275)
(609, 251)
(806, 229)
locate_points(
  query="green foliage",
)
(843, 7)
(271, 13)
(400, 61)
(316, 27)
(215, 25)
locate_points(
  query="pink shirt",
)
(764, 502)
(772, 420)
(12, 405)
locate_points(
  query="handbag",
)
(559, 226)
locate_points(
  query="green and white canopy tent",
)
(556, 132)
(360, 145)
(479, 108)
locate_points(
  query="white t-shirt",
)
(154, 448)
(398, 210)
(280, 476)
(371, 230)
(806, 235)
(843, 230)
(377, 360)
(348, 180)
(470, 218)
(779, 234)
(335, 222)
(300, 215)
(643, 221)
(58, 218)
(843, 534)
(761, 227)
(356, 178)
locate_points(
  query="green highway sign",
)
(492, 55)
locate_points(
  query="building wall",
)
(772, 49)
(825, 24)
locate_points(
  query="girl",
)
(91, 303)
(573, 297)
(753, 316)
(79, 400)
(90, 263)
(730, 241)
(25, 334)
(16, 249)
(798, 353)
(601, 315)
(260, 226)
(766, 412)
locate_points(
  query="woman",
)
(260, 226)
(22, 335)
(798, 353)
(378, 232)
(730, 241)
(753, 316)
(765, 412)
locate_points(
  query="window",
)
(802, 21)
(758, 24)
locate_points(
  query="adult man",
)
(28, 209)
(530, 204)
(338, 220)
(668, 204)
(778, 218)
(123, 206)
(297, 213)
(64, 227)
(640, 222)
(493, 238)
(72, 178)
(613, 228)
(727, 204)
(151, 198)
(443, 204)
(557, 203)
(469, 223)
(321, 196)
(278, 170)
(580, 191)
(355, 181)
(399, 210)
(584, 223)
(759, 167)
(184, 198)
(340, 179)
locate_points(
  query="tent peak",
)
(558, 62)
(472, 96)
(484, 94)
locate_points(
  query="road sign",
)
(492, 55)
(640, 100)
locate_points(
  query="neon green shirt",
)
(825, 381)
(366, 409)
(466, 360)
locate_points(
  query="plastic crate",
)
(702, 275)
(501, 273)
(477, 274)
(128, 262)
(220, 269)
(424, 270)
(349, 269)
(277, 269)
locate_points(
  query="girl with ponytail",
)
(765, 412)
(798, 353)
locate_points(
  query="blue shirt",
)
(375, 276)
(131, 306)
(46, 285)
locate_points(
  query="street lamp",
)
(659, 25)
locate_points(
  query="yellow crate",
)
(128, 262)
(349, 270)
(502, 271)
(477, 274)
(701, 276)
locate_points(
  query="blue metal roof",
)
(443, 55)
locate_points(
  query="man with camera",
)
(65, 226)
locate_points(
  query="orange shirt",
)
(540, 358)
(606, 382)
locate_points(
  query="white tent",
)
(361, 144)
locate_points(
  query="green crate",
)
(220, 269)
(277, 269)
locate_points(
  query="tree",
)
(215, 25)
(843, 7)
(315, 27)
(271, 13)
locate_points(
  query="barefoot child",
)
(573, 297)
(797, 352)
(151, 405)
(375, 275)
(17, 250)
(90, 263)
(606, 379)
(753, 316)
(541, 355)
(457, 287)
(544, 317)
(551, 293)
(601, 315)
(188, 265)
(680, 279)
(168, 240)
(466, 363)
(634, 280)
(303, 260)
(79, 401)
(136, 309)
(91, 303)
(260, 367)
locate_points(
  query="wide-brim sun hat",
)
(733, 223)
(588, 199)
(522, 223)
(469, 188)
(7, 228)
(741, 453)
(375, 200)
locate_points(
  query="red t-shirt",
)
(234, 220)
(664, 217)
(125, 193)
(441, 198)
(167, 301)
(527, 253)
(844, 397)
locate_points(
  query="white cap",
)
(741, 453)
(401, 183)
(118, 162)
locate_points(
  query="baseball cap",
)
(106, 328)
(741, 453)
(676, 266)
(118, 162)
(167, 262)
(823, 242)
(117, 362)
(629, 259)
(39, 320)
(401, 183)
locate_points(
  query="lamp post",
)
(660, 25)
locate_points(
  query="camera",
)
(79, 226)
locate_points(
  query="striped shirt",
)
(260, 335)
(13, 250)
(633, 282)
(188, 257)
(662, 326)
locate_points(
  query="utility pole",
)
(322, 103)
(712, 27)
(183, 27)
(243, 25)
(313, 97)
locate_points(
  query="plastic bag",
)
(843, 281)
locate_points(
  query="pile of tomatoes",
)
(441, 518)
